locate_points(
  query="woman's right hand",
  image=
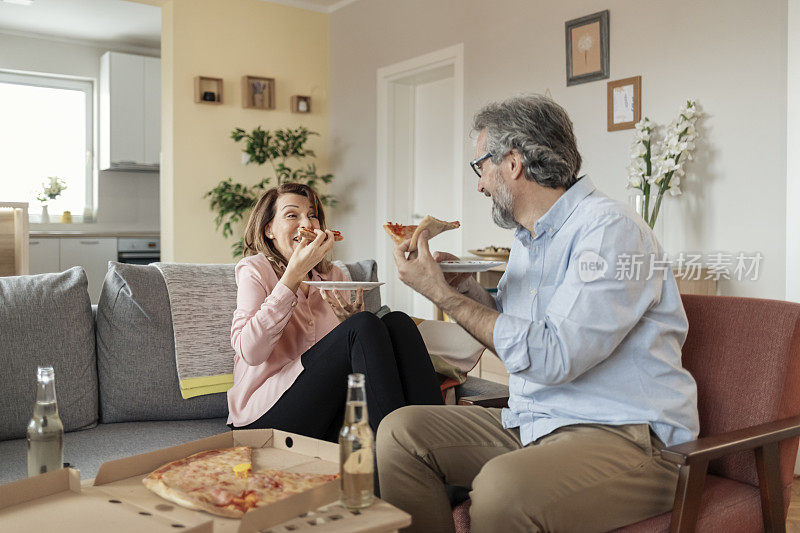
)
(305, 257)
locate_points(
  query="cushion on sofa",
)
(136, 352)
(136, 347)
(46, 319)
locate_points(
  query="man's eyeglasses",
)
(477, 165)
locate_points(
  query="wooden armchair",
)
(745, 356)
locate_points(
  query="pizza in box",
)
(222, 482)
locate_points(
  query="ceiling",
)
(107, 21)
(95, 21)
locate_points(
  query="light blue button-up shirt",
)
(584, 338)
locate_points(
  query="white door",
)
(419, 158)
(433, 170)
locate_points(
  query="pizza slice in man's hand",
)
(400, 233)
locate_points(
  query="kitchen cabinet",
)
(93, 254)
(152, 111)
(44, 255)
(53, 254)
(130, 112)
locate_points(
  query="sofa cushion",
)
(46, 319)
(365, 270)
(136, 352)
(136, 348)
(87, 450)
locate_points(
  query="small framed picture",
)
(587, 48)
(624, 103)
(258, 92)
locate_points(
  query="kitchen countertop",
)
(79, 233)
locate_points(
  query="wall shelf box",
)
(207, 90)
(301, 104)
(258, 92)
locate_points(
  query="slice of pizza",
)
(308, 233)
(400, 233)
(205, 481)
(273, 485)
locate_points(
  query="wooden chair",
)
(745, 356)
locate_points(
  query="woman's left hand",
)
(343, 310)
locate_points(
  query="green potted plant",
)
(286, 153)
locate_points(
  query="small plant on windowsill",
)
(50, 190)
(232, 201)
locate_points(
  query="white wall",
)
(793, 166)
(732, 59)
(126, 201)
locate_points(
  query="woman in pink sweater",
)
(295, 345)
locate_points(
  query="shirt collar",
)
(564, 206)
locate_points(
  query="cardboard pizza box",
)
(55, 500)
(118, 501)
(272, 449)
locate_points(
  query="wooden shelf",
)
(258, 92)
(205, 86)
(301, 104)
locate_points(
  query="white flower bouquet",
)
(655, 175)
(51, 190)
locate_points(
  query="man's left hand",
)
(419, 270)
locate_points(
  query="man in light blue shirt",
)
(589, 324)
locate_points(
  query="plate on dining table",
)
(345, 285)
(468, 265)
(496, 254)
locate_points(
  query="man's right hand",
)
(455, 279)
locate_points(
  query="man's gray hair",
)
(540, 130)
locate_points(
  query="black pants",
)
(389, 351)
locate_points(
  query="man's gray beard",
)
(503, 206)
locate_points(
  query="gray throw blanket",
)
(202, 300)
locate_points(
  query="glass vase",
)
(648, 209)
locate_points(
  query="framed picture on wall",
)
(624, 103)
(587, 48)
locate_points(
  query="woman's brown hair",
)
(255, 240)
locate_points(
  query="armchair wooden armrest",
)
(488, 400)
(693, 458)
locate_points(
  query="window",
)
(46, 129)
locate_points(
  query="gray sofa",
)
(116, 381)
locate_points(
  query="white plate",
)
(469, 266)
(345, 285)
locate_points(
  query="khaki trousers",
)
(587, 477)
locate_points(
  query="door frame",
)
(388, 78)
